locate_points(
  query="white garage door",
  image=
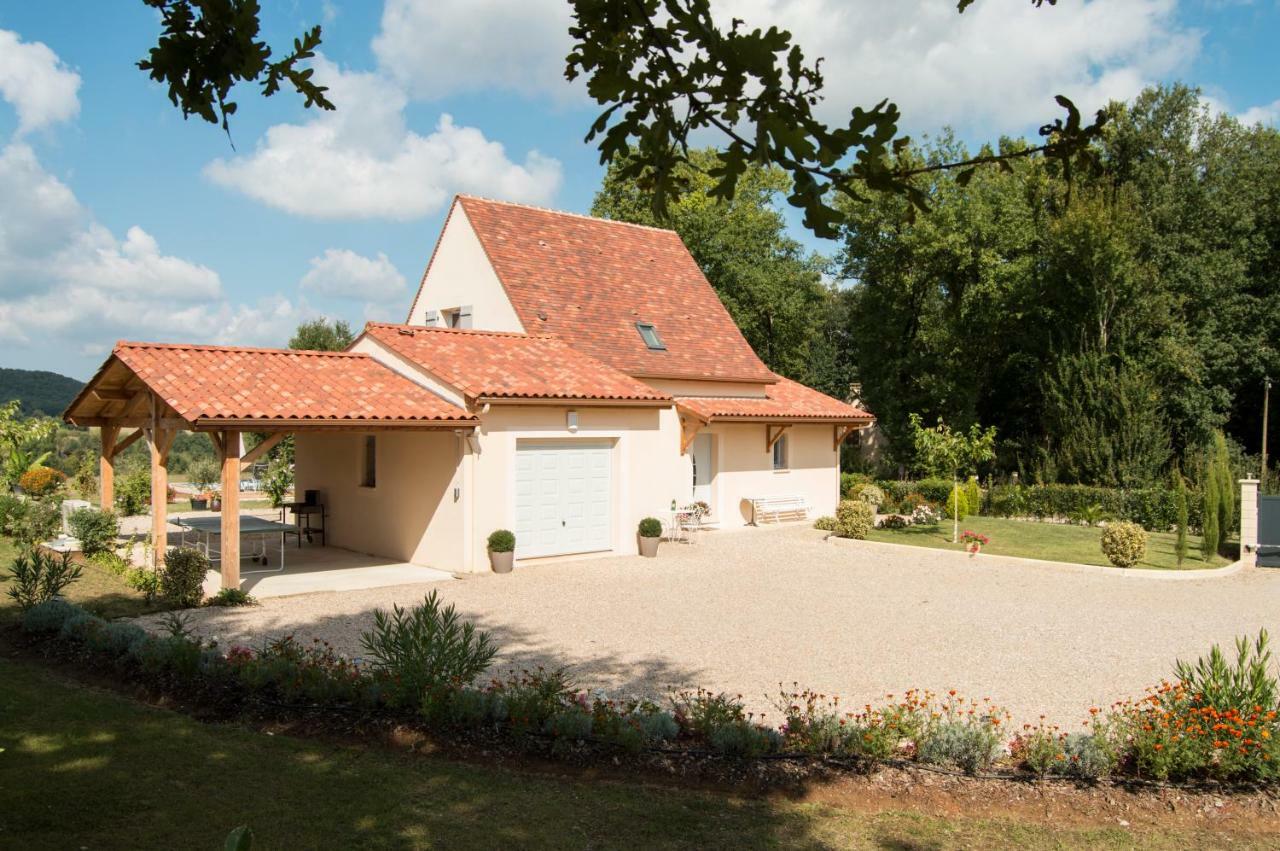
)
(563, 500)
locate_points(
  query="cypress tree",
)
(1180, 507)
(1226, 489)
(1211, 493)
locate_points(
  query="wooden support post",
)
(230, 509)
(689, 432)
(159, 440)
(262, 448)
(107, 467)
(771, 437)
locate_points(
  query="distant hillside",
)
(40, 392)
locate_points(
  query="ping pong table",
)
(252, 527)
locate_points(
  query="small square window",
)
(649, 334)
(780, 453)
(369, 463)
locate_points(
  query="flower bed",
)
(1175, 733)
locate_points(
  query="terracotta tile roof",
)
(498, 364)
(231, 383)
(786, 400)
(589, 281)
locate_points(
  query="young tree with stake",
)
(947, 452)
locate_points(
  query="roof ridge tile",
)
(485, 200)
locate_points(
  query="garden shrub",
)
(133, 492)
(1245, 683)
(426, 649)
(650, 527)
(78, 627)
(528, 700)
(48, 616)
(932, 490)
(854, 519)
(114, 639)
(911, 502)
(1088, 757)
(182, 576)
(96, 530)
(869, 494)
(826, 523)
(572, 722)
(973, 496)
(1124, 544)
(969, 745)
(41, 481)
(744, 740)
(893, 521)
(814, 724)
(850, 481)
(229, 597)
(925, 515)
(1040, 750)
(1154, 508)
(502, 541)
(38, 576)
(12, 507)
(32, 521)
(957, 503)
(699, 712)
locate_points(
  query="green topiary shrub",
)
(182, 577)
(854, 519)
(973, 496)
(502, 541)
(96, 530)
(1124, 544)
(869, 494)
(825, 524)
(957, 504)
(650, 527)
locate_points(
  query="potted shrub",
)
(502, 550)
(650, 532)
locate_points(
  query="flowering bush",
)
(893, 521)
(1124, 544)
(925, 515)
(41, 481)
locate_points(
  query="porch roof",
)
(783, 402)
(219, 387)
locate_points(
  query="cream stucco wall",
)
(744, 470)
(459, 274)
(411, 514)
(647, 470)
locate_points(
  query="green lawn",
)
(83, 768)
(1050, 541)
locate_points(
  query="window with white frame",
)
(780, 453)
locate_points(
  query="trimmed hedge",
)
(1154, 509)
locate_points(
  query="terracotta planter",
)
(215, 504)
(501, 562)
(648, 546)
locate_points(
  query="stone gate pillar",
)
(1248, 520)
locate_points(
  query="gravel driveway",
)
(743, 611)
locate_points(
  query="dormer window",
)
(649, 334)
(456, 317)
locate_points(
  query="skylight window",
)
(649, 334)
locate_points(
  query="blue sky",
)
(120, 220)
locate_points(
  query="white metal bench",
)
(779, 508)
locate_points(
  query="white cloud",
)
(68, 285)
(39, 86)
(444, 47)
(995, 69)
(361, 161)
(345, 274)
(1268, 114)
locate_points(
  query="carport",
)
(153, 390)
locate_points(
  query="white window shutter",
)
(464, 316)
(431, 318)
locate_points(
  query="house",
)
(558, 375)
